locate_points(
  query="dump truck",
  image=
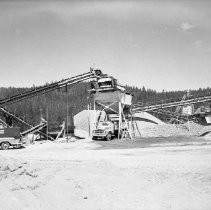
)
(10, 137)
(108, 130)
(105, 130)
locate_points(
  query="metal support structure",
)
(35, 128)
(94, 107)
(45, 89)
(67, 111)
(137, 107)
(4, 123)
(22, 121)
(115, 107)
(131, 121)
(160, 107)
(47, 117)
(120, 119)
(50, 87)
(126, 130)
(108, 106)
(61, 131)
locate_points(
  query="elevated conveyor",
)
(15, 117)
(176, 117)
(35, 128)
(139, 107)
(50, 87)
(22, 121)
(42, 90)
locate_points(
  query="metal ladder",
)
(126, 132)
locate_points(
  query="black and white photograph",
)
(105, 105)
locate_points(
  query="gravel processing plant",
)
(119, 155)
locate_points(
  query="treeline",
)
(149, 96)
(52, 105)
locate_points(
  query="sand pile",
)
(85, 122)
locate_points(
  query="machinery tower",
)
(111, 97)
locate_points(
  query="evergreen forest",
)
(52, 105)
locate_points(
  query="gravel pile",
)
(208, 136)
(167, 130)
(85, 122)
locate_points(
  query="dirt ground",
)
(142, 174)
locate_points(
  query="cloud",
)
(170, 13)
(186, 26)
(116, 10)
(198, 44)
(209, 49)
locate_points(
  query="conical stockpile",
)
(85, 122)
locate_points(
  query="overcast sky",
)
(158, 44)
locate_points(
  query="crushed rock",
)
(167, 130)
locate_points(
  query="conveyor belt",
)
(138, 107)
(35, 128)
(22, 121)
(42, 90)
(50, 87)
(175, 116)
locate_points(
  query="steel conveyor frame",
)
(50, 87)
(138, 108)
(45, 89)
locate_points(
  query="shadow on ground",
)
(151, 142)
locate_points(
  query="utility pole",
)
(120, 120)
(67, 109)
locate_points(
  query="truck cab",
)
(105, 130)
(10, 137)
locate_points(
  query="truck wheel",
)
(17, 146)
(5, 145)
(108, 137)
(94, 138)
